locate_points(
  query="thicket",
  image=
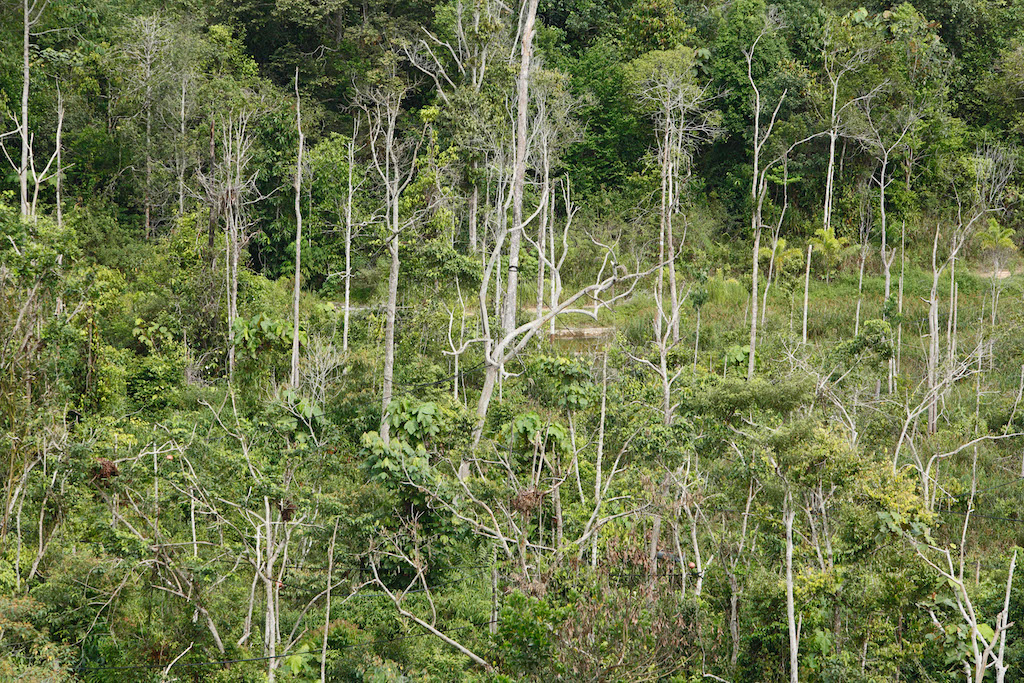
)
(593, 339)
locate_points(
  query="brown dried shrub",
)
(288, 508)
(527, 500)
(104, 470)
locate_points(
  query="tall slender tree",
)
(510, 305)
(394, 160)
(297, 185)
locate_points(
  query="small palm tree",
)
(787, 260)
(833, 249)
(997, 243)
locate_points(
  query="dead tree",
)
(883, 131)
(32, 14)
(231, 187)
(460, 60)
(415, 561)
(992, 169)
(759, 178)
(841, 57)
(987, 644)
(510, 305)
(499, 351)
(298, 236)
(146, 60)
(684, 119)
(394, 160)
(664, 341)
(862, 257)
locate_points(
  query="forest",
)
(493, 340)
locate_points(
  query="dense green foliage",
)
(641, 487)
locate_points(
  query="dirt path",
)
(563, 334)
(582, 334)
(1000, 274)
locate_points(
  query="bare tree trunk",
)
(933, 336)
(653, 549)
(556, 283)
(270, 618)
(734, 619)
(673, 289)
(599, 463)
(247, 625)
(510, 308)
(147, 198)
(181, 138)
(298, 237)
(769, 276)
(230, 188)
(696, 342)
(899, 309)
(698, 585)
(882, 184)
(1002, 620)
(474, 203)
(23, 124)
(382, 106)
(486, 392)
(663, 255)
(231, 272)
(833, 135)
(807, 288)
(951, 315)
(751, 360)
(31, 14)
(59, 152)
(215, 206)
(542, 239)
(327, 607)
(348, 242)
(992, 324)
(758, 182)
(794, 636)
(493, 626)
(860, 289)
(389, 327)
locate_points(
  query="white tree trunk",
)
(860, 288)
(510, 308)
(348, 245)
(933, 337)
(389, 327)
(23, 124)
(882, 184)
(794, 636)
(833, 134)
(696, 342)
(751, 360)
(899, 311)
(298, 237)
(327, 606)
(807, 288)
(59, 154)
(542, 240)
(181, 140)
(673, 289)
(474, 203)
